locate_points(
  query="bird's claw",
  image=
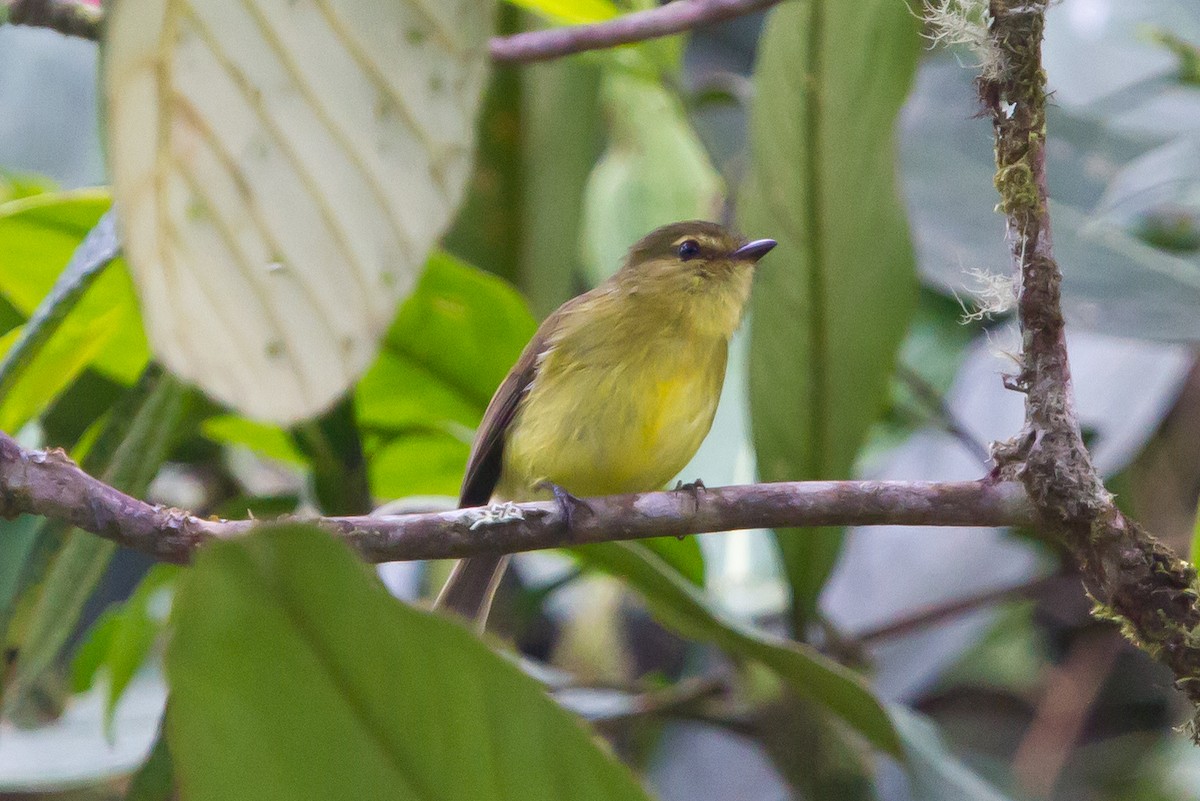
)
(567, 503)
(693, 488)
(496, 514)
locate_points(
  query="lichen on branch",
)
(1133, 579)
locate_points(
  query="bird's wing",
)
(487, 452)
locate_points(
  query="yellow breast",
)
(597, 422)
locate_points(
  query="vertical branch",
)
(1134, 579)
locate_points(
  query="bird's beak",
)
(753, 251)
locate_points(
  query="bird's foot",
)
(496, 514)
(693, 488)
(568, 504)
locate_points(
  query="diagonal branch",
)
(1133, 578)
(49, 483)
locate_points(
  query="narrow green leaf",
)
(89, 260)
(681, 607)
(121, 639)
(41, 234)
(18, 547)
(934, 773)
(294, 675)
(339, 472)
(420, 463)
(487, 230)
(682, 553)
(127, 454)
(558, 151)
(42, 367)
(832, 303)
(262, 438)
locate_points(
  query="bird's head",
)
(698, 267)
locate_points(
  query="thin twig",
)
(49, 483)
(932, 615)
(936, 404)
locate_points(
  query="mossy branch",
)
(1133, 578)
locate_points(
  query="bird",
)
(615, 391)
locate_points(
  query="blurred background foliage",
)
(716, 667)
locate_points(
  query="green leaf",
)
(126, 455)
(339, 472)
(295, 675)
(122, 637)
(262, 438)
(682, 608)
(558, 151)
(18, 551)
(15, 185)
(832, 303)
(42, 234)
(87, 263)
(682, 553)
(421, 463)
(487, 230)
(39, 373)
(654, 172)
(451, 345)
(934, 773)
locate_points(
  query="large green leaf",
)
(39, 237)
(683, 608)
(294, 675)
(450, 346)
(282, 176)
(126, 454)
(832, 303)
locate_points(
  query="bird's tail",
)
(471, 587)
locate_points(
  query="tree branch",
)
(48, 483)
(1135, 579)
(74, 18)
(674, 17)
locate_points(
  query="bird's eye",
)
(689, 249)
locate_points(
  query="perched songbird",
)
(617, 388)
